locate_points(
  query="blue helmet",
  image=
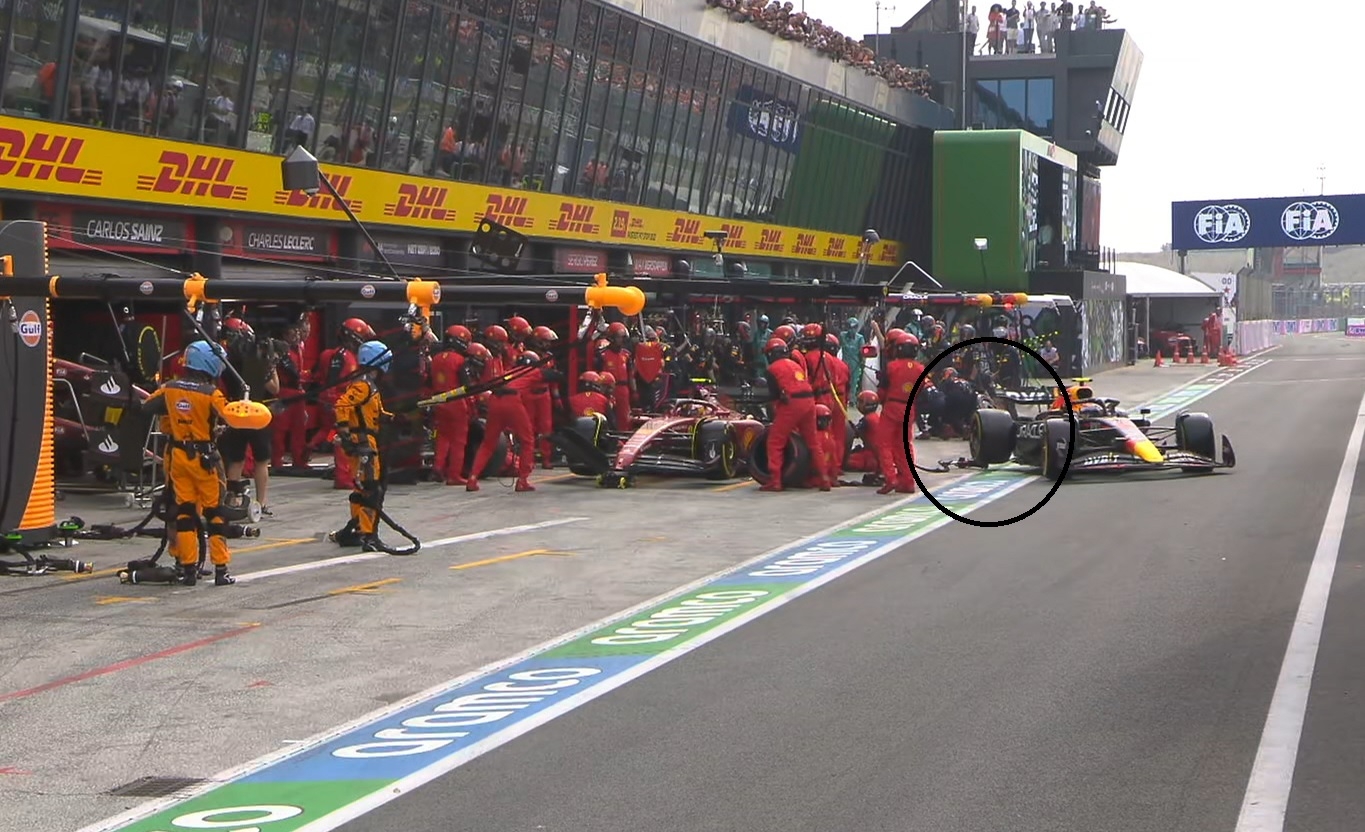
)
(375, 354)
(202, 357)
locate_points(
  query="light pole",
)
(981, 244)
(877, 27)
(965, 51)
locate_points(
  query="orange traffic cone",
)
(1158, 360)
(1204, 355)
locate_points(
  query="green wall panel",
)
(837, 170)
(978, 193)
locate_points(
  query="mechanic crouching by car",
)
(589, 400)
(875, 456)
(824, 461)
(793, 410)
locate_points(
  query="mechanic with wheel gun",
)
(542, 401)
(291, 418)
(589, 400)
(824, 461)
(193, 406)
(335, 365)
(793, 410)
(452, 418)
(875, 456)
(616, 360)
(535, 395)
(255, 362)
(358, 413)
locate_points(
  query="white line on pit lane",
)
(435, 544)
(1272, 774)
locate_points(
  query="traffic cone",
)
(1189, 356)
(1158, 360)
(1204, 355)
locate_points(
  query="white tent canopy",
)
(1149, 281)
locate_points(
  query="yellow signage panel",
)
(68, 160)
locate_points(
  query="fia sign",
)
(1222, 223)
(1315, 220)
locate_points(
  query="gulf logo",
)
(31, 329)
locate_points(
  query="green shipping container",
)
(986, 187)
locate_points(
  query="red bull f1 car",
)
(1107, 440)
(688, 437)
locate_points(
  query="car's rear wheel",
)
(594, 430)
(1194, 433)
(796, 465)
(992, 438)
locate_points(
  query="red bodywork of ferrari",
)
(675, 440)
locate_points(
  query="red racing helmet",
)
(357, 329)
(786, 333)
(824, 417)
(518, 326)
(478, 355)
(544, 334)
(776, 348)
(495, 334)
(868, 402)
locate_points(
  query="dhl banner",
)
(68, 160)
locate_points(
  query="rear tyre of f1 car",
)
(716, 446)
(1056, 441)
(1194, 433)
(992, 439)
(498, 461)
(594, 430)
(796, 467)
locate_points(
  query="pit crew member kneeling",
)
(358, 414)
(793, 410)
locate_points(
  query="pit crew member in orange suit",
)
(334, 365)
(291, 423)
(822, 457)
(589, 401)
(518, 334)
(896, 384)
(793, 410)
(535, 397)
(451, 419)
(616, 359)
(649, 368)
(544, 401)
(608, 390)
(359, 412)
(194, 406)
(507, 412)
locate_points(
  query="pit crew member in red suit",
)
(545, 401)
(649, 368)
(822, 458)
(451, 419)
(897, 383)
(518, 332)
(793, 409)
(291, 423)
(506, 412)
(535, 396)
(616, 359)
(608, 389)
(589, 401)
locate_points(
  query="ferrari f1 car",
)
(690, 437)
(1107, 440)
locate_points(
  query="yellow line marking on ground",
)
(278, 542)
(106, 600)
(364, 589)
(554, 478)
(734, 485)
(504, 558)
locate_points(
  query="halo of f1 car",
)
(1107, 439)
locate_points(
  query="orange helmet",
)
(608, 381)
(589, 381)
(518, 326)
(868, 402)
(478, 355)
(824, 417)
(545, 334)
(776, 348)
(785, 333)
(495, 334)
(355, 328)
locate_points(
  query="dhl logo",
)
(320, 201)
(734, 236)
(769, 239)
(193, 176)
(44, 157)
(836, 248)
(805, 245)
(576, 219)
(888, 253)
(686, 232)
(620, 224)
(507, 210)
(421, 202)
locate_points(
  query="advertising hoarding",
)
(1272, 222)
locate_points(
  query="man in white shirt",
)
(1046, 24)
(973, 27)
(301, 129)
(1026, 26)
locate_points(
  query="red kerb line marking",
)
(127, 663)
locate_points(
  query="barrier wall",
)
(1254, 336)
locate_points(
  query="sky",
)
(1226, 107)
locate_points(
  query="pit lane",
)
(303, 650)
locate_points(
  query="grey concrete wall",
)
(791, 58)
